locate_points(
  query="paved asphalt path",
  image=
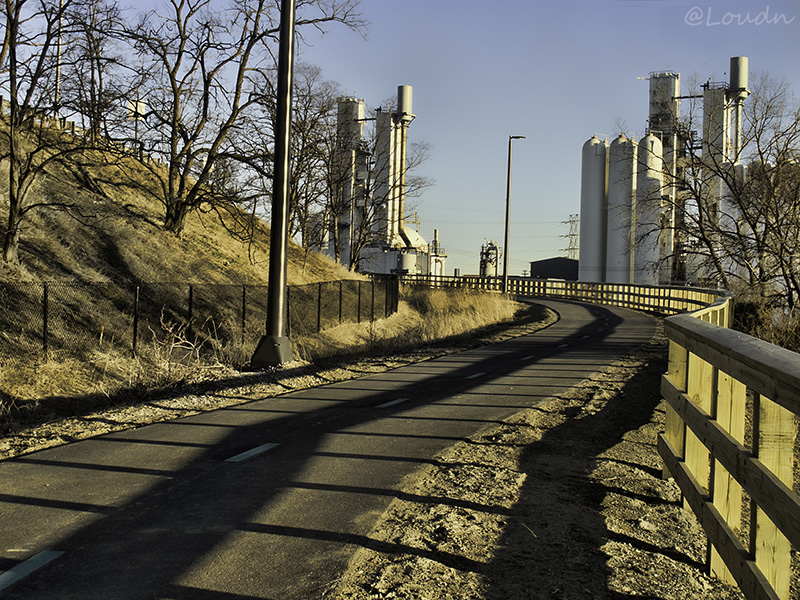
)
(269, 499)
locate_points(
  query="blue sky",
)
(556, 72)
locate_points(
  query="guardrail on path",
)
(730, 439)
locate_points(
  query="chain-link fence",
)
(60, 320)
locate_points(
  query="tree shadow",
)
(557, 531)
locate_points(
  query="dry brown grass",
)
(104, 227)
(35, 392)
(424, 316)
(776, 325)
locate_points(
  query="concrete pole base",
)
(272, 351)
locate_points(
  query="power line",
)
(572, 236)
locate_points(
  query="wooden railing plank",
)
(767, 490)
(746, 573)
(769, 370)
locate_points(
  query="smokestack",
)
(404, 100)
(737, 92)
(738, 83)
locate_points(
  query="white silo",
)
(620, 230)
(648, 210)
(594, 187)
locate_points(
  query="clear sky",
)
(556, 72)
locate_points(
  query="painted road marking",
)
(564, 346)
(586, 337)
(251, 453)
(392, 402)
(25, 568)
(476, 375)
(529, 357)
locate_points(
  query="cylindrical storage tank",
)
(648, 210)
(408, 262)
(738, 83)
(620, 230)
(404, 100)
(594, 172)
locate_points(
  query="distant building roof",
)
(555, 268)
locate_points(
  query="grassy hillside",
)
(108, 231)
(105, 232)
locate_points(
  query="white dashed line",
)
(564, 346)
(476, 375)
(529, 357)
(25, 568)
(251, 453)
(392, 402)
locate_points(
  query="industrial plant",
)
(631, 191)
(365, 226)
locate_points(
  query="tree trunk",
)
(11, 247)
(175, 217)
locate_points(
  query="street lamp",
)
(275, 348)
(508, 212)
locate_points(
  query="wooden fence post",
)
(726, 492)
(700, 383)
(773, 445)
(674, 428)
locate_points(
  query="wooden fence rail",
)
(730, 439)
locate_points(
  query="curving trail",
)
(270, 499)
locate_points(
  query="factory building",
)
(366, 226)
(630, 190)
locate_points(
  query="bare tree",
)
(739, 218)
(95, 76)
(33, 141)
(210, 68)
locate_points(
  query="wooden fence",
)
(666, 300)
(729, 442)
(730, 439)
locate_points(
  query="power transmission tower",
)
(572, 236)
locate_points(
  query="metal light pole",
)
(275, 347)
(508, 213)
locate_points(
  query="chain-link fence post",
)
(288, 311)
(319, 307)
(190, 317)
(135, 319)
(359, 303)
(45, 315)
(372, 304)
(341, 300)
(244, 311)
